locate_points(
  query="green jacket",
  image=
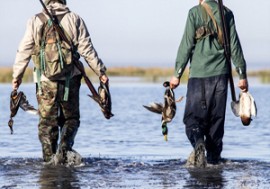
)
(206, 55)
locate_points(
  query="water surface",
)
(129, 151)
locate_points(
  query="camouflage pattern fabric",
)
(58, 116)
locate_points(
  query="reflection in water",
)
(208, 177)
(58, 177)
(167, 174)
(131, 173)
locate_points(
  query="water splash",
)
(132, 173)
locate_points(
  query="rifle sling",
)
(207, 8)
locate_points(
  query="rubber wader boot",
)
(199, 159)
(67, 140)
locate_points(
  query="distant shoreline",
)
(150, 74)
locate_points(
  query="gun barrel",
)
(226, 46)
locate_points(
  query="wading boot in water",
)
(66, 158)
(199, 159)
(65, 155)
(213, 158)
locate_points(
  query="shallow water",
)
(129, 151)
(128, 173)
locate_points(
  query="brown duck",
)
(167, 109)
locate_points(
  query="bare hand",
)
(104, 79)
(16, 83)
(174, 82)
(243, 85)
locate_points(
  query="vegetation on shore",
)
(151, 74)
(263, 75)
(6, 75)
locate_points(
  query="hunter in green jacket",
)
(202, 46)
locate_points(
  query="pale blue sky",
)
(141, 32)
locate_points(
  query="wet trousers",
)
(205, 113)
(58, 116)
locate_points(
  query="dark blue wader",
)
(205, 113)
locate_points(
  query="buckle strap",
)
(66, 92)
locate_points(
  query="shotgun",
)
(227, 52)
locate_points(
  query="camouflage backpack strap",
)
(37, 68)
(42, 17)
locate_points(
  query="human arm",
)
(23, 55)
(184, 51)
(86, 49)
(186, 46)
(237, 55)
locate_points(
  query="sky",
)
(141, 32)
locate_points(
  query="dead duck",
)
(105, 97)
(104, 100)
(18, 99)
(247, 108)
(166, 109)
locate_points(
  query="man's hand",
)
(243, 85)
(104, 79)
(16, 83)
(174, 82)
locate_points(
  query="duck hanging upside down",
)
(168, 109)
(18, 99)
(246, 108)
